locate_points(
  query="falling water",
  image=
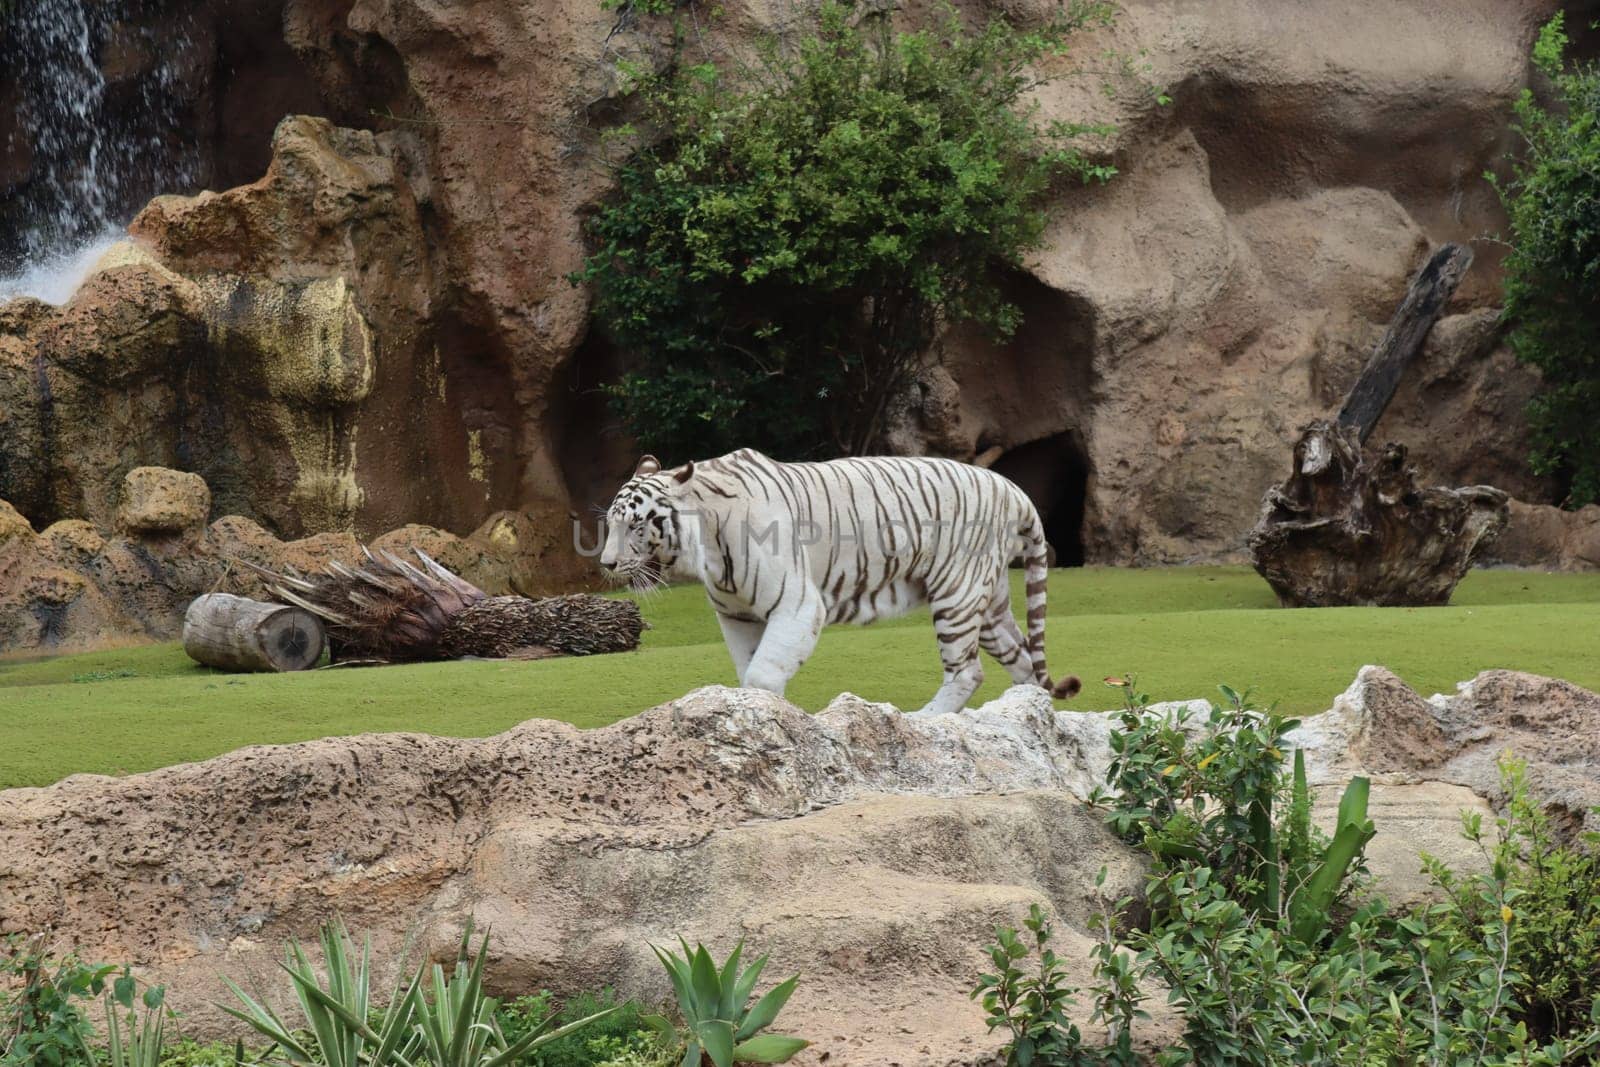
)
(95, 147)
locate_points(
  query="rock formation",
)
(1539, 535)
(380, 330)
(76, 585)
(869, 850)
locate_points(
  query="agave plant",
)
(337, 1031)
(453, 1028)
(720, 1024)
(1310, 908)
(457, 1025)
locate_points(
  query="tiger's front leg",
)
(791, 636)
(743, 637)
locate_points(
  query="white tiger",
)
(785, 548)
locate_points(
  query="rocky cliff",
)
(377, 328)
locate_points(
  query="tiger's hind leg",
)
(956, 623)
(1002, 638)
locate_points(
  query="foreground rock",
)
(848, 844)
(76, 585)
(869, 850)
(1380, 726)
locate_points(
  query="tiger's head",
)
(645, 528)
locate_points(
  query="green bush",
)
(1552, 289)
(1500, 971)
(620, 1035)
(43, 1005)
(778, 262)
(1214, 795)
(1552, 889)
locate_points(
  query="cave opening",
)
(1054, 472)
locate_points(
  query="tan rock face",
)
(1540, 535)
(156, 501)
(1379, 724)
(280, 340)
(379, 331)
(848, 844)
(76, 585)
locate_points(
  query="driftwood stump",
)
(1346, 529)
(236, 634)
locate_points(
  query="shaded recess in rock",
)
(1055, 475)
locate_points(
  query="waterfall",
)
(99, 125)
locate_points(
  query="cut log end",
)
(236, 634)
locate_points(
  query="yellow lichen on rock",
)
(477, 467)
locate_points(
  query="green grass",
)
(1182, 630)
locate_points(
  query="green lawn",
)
(1181, 630)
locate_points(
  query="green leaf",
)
(769, 1048)
(716, 1036)
(703, 980)
(728, 980)
(766, 1009)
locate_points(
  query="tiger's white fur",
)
(785, 548)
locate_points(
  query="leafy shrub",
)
(1552, 288)
(719, 1022)
(1207, 794)
(618, 1034)
(1553, 892)
(779, 262)
(1033, 1007)
(43, 1002)
(1501, 971)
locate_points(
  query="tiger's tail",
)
(1036, 570)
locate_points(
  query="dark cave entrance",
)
(1054, 472)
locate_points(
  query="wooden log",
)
(236, 634)
(1424, 302)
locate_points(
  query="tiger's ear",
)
(647, 465)
(685, 472)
